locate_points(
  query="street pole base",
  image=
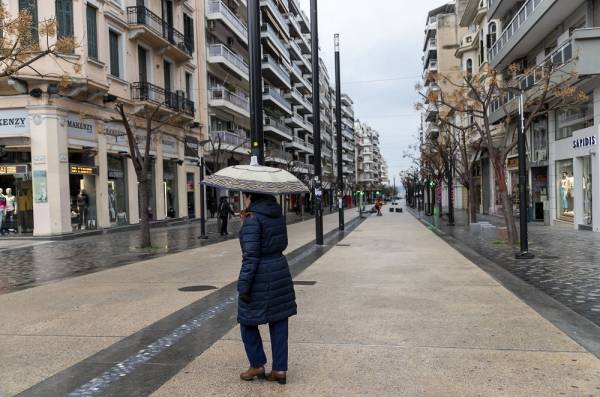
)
(524, 255)
(203, 237)
(451, 224)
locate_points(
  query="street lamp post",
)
(450, 189)
(256, 105)
(338, 131)
(316, 102)
(203, 235)
(523, 229)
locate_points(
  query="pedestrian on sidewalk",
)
(225, 213)
(266, 291)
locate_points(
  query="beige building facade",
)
(64, 153)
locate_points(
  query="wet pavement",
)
(566, 264)
(25, 264)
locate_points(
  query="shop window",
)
(117, 190)
(539, 144)
(565, 184)
(587, 190)
(573, 119)
(170, 187)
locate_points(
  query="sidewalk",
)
(52, 327)
(396, 311)
(566, 264)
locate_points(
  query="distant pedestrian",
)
(266, 291)
(225, 213)
(378, 205)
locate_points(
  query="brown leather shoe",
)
(252, 373)
(277, 376)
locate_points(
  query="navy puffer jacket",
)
(265, 276)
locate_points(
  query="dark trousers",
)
(224, 222)
(279, 345)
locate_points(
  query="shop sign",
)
(13, 121)
(115, 133)
(169, 145)
(191, 146)
(80, 128)
(83, 170)
(584, 142)
(14, 169)
(512, 163)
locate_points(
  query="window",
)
(188, 85)
(573, 119)
(492, 34)
(31, 7)
(167, 75)
(92, 33)
(469, 66)
(114, 48)
(64, 18)
(188, 32)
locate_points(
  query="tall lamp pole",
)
(256, 104)
(316, 102)
(524, 236)
(450, 189)
(203, 235)
(338, 131)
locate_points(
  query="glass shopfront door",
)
(587, 190)
(117, 190)
(565, 185)
(170, 187)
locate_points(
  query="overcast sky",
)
(380, 40)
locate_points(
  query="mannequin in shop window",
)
(112, 204)
(566, 192)
(11, 210)
(2, 210)
(83, 203)
(587, 199)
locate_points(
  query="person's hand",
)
(245, 298)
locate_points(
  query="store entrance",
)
(18, 191)
(82, 190)
(191, 189)
(539, 191)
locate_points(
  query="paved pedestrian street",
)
(386, 308)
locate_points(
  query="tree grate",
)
(197, 288)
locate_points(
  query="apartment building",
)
(64, 154)
(371, 167)
(287, 86)
(348, 146)
(562, 162)
(328, 139)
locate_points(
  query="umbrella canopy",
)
(256, 179)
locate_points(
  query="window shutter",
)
(188, 32)
(113, 42)
(31, 6)
(64, 17)
(92, 34)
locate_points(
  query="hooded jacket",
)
(265, 281)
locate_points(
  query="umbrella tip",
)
(254, 160)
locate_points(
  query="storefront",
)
(15, 182)
(539, 168)
(576, 168)
(117, 190)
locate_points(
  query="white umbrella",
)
(256, 178)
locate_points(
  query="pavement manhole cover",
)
(342, 245)
(305, 282)
(548, 257)
(197, 288)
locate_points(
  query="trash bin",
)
(391, 209)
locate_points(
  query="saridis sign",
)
(585, 142)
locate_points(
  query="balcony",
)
(575, 57)
(348, 111)
(294, 24)
(277, 16)
(534, 22)
(297, 76)
(275, 72)
(230, 141)
(296, 97)
(276, 155)
(300, 145)
(220, 97)
(221, 54)
(157, 32)
(275, 96)
(218, 11)
(268, 33)
(155, 95)
(277, 127)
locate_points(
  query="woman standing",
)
(266, 291)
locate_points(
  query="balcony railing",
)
(556, 59)
(143, 91)
(277, 67)
(277, 95)
(278, 16)
(236, 139)
(269, 32)
(514, 26)
(220, 50)
(218, 7)
(278, 124)
(140, 15)
(220, 93)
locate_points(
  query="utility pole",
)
(451, 189)
(256, 103)
(338, 131)
(314, 27)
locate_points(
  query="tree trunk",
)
(507, 208)
(144, 190)
(472, 201)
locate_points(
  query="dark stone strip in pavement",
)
(577, 327)
(139, 364)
